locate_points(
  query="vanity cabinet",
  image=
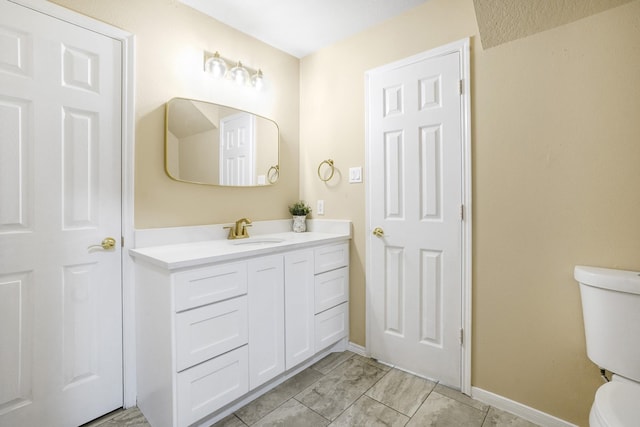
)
(207, 335)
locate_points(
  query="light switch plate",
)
(320, 209)
(355, 175)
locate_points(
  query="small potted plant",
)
(299, 211)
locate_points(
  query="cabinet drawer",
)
(331, 288)
(206, 332)
(331, 257)
(205, 285)
(209, 386)
(331, 326)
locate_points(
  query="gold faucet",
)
(239, 231)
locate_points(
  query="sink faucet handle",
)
(232, 232)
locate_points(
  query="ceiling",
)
(300, 27)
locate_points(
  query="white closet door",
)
(60, 302)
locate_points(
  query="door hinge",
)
(462, 212)
(461, 87)
(461, 336)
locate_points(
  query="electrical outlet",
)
(320, 208)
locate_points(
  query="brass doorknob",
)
(378, 232)
(107, 243)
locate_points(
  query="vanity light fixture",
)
(240, 74)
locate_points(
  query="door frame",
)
(462, 48)
(126, 40)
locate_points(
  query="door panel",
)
(415, 283)
(60, 139)
(15, 184)
(16, 330)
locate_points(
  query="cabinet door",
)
(299, 303)
(266, 319)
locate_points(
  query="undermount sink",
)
(258, 241)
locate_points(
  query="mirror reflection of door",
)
(237, 148)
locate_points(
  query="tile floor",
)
(346, 389)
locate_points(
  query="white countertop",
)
(196, 253)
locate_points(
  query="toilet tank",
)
(611, 311)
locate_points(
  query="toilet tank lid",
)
(606, 278)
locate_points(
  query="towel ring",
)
(329, 163)
(273, 174)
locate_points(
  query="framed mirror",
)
(214, 144)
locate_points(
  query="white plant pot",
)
(299, 223)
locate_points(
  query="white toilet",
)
(611, 310)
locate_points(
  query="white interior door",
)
(414, 282)
(60, 192)
(237, 147)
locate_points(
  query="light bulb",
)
(239, 74)
(216, 66)
(257, 81)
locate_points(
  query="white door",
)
(60, 141)
(415, 272)
(237, 163)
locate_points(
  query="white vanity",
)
(220, 322)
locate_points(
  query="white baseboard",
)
(523, 411)
(357, 349)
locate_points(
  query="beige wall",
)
(556, 173)
(170, 40)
